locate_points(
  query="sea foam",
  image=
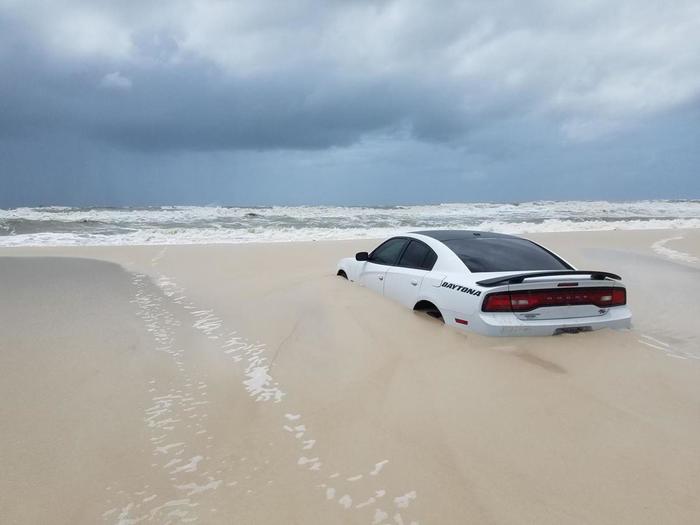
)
(60, 226)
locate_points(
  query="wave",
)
(62, 226)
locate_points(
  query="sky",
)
(212, 102)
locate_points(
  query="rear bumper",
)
(506, 323)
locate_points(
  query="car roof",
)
(455, 235)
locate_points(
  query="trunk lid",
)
(571, 291)
(564, 296)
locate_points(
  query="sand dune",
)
(248, 384)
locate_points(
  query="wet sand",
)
(248, 384)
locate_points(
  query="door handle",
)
(414, 282)
(381, 277)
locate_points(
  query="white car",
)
(490, 283)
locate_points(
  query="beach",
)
(246, 383)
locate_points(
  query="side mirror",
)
(361, 256)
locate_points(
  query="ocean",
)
(63, 226)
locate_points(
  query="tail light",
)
(525, 300)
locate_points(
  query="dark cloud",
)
(493, 92)
(195, 106)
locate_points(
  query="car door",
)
(374, 270)
(402, 282)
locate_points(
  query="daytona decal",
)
(453, 286)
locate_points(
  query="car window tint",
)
(504, 255)
(388, 252)
(430, 260)
(417, 255)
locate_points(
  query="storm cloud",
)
(476, 90)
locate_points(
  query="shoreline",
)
(354, 239)
(674, 245)
(203, 225)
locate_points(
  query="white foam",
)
(215, 225)
(675, 255)
(259, 384)
(304, 460)
(172, 463)
(404, 501)
(191, 466)
(666, 348)
(365, 503)
(164, 449)
(378, 467)
(194, 488)
(379, 516)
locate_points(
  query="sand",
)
(134, 386)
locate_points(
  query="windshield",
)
(504, 254)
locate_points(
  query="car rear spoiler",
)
(519, 278)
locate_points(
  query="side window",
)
(388, 252)
(418, 255)
(430, 260)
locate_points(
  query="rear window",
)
(502, 254)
